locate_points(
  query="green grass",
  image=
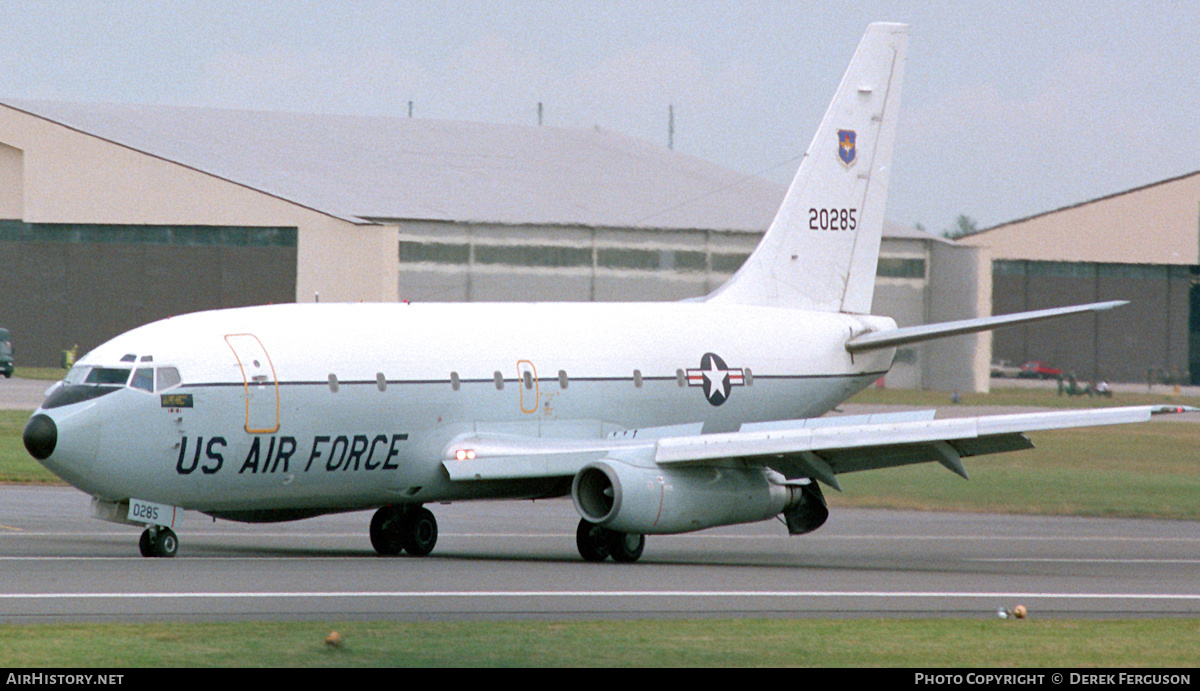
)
(923, 643)
(43, 373)
(1149, 470)
(1016, 396)
(16, 465)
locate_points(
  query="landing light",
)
(465, 454)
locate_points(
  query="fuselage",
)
(288, 410)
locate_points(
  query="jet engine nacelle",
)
(634, 499)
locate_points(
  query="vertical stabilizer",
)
(821, 251)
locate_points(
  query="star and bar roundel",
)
(717, 378)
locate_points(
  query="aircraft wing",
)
(797, 451)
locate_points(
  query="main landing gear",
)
(158, 541)
(597, 543)
(403, 528)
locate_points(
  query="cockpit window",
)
(77, 374)
(86, 382)
(168, 377)
(143, 378)
(107, 375)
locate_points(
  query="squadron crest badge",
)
(717, 378)
(847, 150)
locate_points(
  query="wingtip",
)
(1173, 409)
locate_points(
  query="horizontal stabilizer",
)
(912, 334)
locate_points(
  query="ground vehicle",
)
(6, 354)
(1038, 369)
(1003, 369)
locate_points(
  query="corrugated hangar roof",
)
(362, 168)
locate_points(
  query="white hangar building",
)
(112, 216)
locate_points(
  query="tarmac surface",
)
(22, 394)
(517, 560)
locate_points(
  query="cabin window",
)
(454, 381)
(333, 383)
(381, 381)
(637, 378)
(562, 379)
(168, 377)
(499, 381)
(528, 377)
(143, 378)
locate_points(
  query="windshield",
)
(87, 382)
(107, 375)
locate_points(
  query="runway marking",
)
(1080, 560)
(571, 535)
(604, 594)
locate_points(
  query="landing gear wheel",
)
(626, 548)
(146, 543)
(420, 532)
(592, 540)
(386, 527)
(396, 529)
(158, 542)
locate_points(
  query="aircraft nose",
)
(41, 436)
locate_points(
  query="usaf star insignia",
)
(717, 378)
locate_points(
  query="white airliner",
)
(655, 417)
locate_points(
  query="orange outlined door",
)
(528, 383)
(261, 386)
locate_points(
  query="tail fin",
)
(821, 251)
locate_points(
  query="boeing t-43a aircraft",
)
(654, 417)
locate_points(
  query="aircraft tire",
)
(419, 533)
(626, 548)
(146, 543)
(386, 527)
(593, 541)
(166, 543)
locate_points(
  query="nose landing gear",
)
(158, 541)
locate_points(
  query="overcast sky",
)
(1007, 111)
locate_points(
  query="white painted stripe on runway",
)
(372, 555)
(1068, 560)
(603, 594)
(691, 536)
